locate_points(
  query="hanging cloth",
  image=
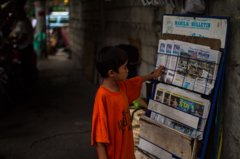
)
(193, 7)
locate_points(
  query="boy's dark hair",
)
(110, 58)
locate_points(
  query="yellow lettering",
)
(185, 105)
(177, 79)
(181, 103)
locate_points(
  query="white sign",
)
(174, 114)
(200, 27)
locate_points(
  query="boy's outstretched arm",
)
(158, 72)
(101, 150)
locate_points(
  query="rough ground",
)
(54, 120)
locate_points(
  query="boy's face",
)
(122, 73)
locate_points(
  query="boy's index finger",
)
(161, 67)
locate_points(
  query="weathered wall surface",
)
(231, 140)
(111, 23)
(75, 31)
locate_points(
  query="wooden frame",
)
(172, 141)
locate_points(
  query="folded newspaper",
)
(188, 65)
(182, 110)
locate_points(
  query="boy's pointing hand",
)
(158, 72)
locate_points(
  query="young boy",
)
(111, 122)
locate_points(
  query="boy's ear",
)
(111, 73)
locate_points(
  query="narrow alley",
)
(54, 120)
(185, 104)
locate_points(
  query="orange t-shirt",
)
(111, 123)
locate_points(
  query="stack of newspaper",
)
(188, 65)
(182, 110)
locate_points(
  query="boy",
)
(111, 124)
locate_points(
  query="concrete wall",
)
(103, 23)
(112, 23)
(75, 31)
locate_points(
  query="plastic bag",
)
(193, 6)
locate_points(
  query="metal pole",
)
(218, 114)
(215, 96)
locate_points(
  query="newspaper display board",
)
(186, 67)
(201, 27)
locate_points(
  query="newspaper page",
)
(201, 75)
(161, 57)
(185, 129)
(164, 54)
(176, 49)
(159, 95)
(186, 101)
(169, 46)
(172, 63)
(207, 70)
(192, 70)
(181, 68)
(182, 128)
(157, 117)
(187, 50)
(182, 99)
(188, 56)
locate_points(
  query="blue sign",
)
(169, 48)
(162, 47)
(176, 49)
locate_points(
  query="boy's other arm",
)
(158, 72)
(101, 150)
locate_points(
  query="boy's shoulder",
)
(100, 91)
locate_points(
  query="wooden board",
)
(173, 141)
(174, 114)
(212, 43)
(140, 155)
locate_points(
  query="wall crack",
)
(54, 136)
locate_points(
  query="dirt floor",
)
(52, 121)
